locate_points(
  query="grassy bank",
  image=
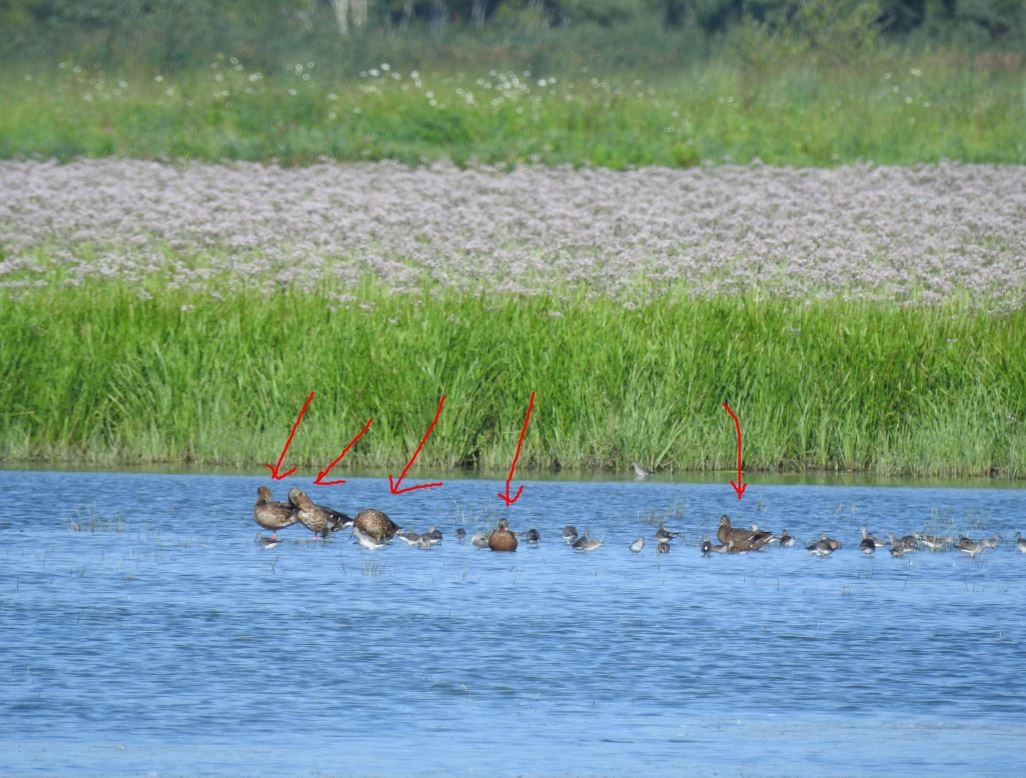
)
(96, 374)
(894, 108)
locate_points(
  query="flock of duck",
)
(372, 528)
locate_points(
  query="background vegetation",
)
(97, 374)
(104, 376)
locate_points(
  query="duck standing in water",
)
(375, 524)
(320, 520)
(501, 539)
(273, 515)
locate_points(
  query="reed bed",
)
(95, 373)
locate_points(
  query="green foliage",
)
(97, 374)
(770, 106)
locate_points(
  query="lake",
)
(145, 631)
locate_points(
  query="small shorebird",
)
(433, 536)
(501, 539)
(460, 534)
(570, 533)
(974, 547)
(709, 548)
(637, 545)
(375, 524)
(532, 535)
(273, 515)
(585, 543)
(479, 539)
(1020, 542)
(410, 538)
(904, 544)
(869, 544)
(825, 546)
(319, 519)
(934, 542)
(366, 540)
(786, 538)
(640, 473)
(664, 535)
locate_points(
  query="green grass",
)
(96, 374)
(900, 108)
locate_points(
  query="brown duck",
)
(740, 538)
(375, 524)
(272, 515)
(320, 520)
(501, 538)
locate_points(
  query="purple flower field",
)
(923, 234)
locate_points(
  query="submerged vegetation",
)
(104, 376)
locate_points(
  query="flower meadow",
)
(920, 235)
(856, 318)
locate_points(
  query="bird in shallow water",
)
(366, 540)
(825, 546)
(570, 533)
(460, 534)
(741, 537)
(786, 538)
(586, 543)
(501, 539)
(664, 535)
(480, 539)
(532, 535)
(637, 545)
(663, 548)
(410, 538)
(869, 544)
(272, 515)
(1020, 542)
(432, 536)
(904, 544)
(974, 547)
(375, 524)
(319, 519)
(640, 473)
(934, 542)
(709, 548)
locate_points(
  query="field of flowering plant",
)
(919, 235)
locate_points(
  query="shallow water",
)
(143, 630)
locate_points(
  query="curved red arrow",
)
(277, 476)
(318, 481)
(393, 485)
(510, 500)
(740, 486)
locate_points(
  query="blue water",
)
(143, 631)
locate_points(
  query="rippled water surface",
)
(143, 630)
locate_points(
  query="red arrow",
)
(274, 468)
(336, 460)
(740, 486)
(393, 485)
(510, 500)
